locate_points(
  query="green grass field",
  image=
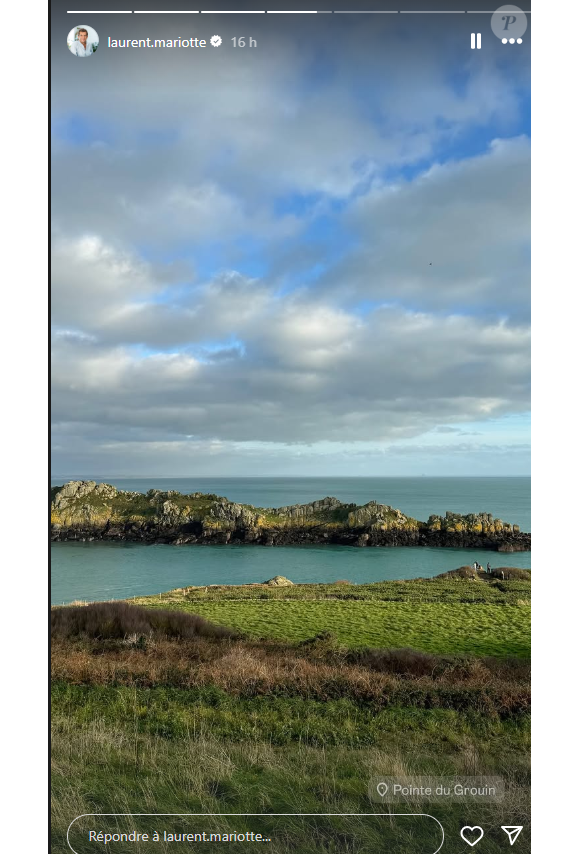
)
(458, 628)
(439, 615)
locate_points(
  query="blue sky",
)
(311, 259)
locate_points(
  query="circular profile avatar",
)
(83, 41)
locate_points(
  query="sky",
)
(306, 258)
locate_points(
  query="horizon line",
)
(304, 477)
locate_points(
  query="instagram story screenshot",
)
(290, 487)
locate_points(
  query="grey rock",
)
(297, 510)
(236, 514)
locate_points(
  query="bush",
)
(461, 572)
(511, 573)
(321, 646)
(403, 662)
(115, 620)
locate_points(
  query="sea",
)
(99, 571)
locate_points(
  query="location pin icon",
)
(382, 789)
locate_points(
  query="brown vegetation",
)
(511, 573)
(117, 620)
(316, 670)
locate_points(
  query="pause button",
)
(473, 41)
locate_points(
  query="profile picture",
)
(82, 40)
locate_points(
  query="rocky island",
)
(86, 510)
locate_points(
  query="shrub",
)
(461, 572)
(511, 573)
(408, 662)
(321, 646)
(114, 620)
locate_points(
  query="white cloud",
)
(456, 236)
(421, 326)
(92, 281)
(334, 377)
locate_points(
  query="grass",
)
(157, 711)
(440, 589)
(474, 629)
(281, 720)
(183, 713)
(104, 767)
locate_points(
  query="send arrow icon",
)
(513, 831)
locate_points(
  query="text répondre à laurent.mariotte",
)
(167, 836)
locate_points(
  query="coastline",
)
(274, 537)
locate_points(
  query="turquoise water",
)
(97, 571)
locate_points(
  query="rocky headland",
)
(86, 510)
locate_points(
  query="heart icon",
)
(382, 789)
(472, 835)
